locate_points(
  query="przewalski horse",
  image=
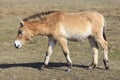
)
(61, 26)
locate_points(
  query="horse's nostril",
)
(17, 44)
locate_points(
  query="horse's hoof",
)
(106, 63)
(90, 68)
(68, 70)
(42, 67)
(107, 67)
(93, 66)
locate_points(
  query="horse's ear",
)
(21, 21)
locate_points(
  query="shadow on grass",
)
(38, 65)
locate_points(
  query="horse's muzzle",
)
(18, 44)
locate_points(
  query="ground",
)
(23, 64)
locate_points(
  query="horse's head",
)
(24, 35)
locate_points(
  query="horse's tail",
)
(104, 34)
(104, 30)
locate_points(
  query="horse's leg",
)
(63, 43)
(104, 45)
(51, 45)
(94, 47)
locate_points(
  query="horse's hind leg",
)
(94, 47)
(51, 45)
(63, 43)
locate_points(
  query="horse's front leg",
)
(51, 45)
(63, 43)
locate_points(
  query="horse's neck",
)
(42, 29)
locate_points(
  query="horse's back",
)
(81, 18)
(76, 26)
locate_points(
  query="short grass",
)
(23, 64)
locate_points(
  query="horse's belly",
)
(76, 35)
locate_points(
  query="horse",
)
(61, 26)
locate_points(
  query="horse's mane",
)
(38, 16)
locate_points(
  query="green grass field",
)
(23, 64)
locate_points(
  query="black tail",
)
(104, 35)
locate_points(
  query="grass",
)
(23, 64)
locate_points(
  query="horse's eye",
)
(19, 32)
(27, 39)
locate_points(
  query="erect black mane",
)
(38, 16)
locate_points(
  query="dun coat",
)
(61, 26)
